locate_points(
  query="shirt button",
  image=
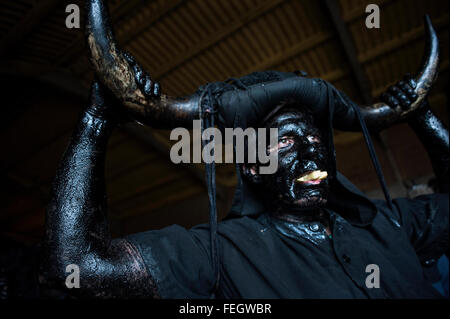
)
(430, 262)
(346, 258)
(314, 227)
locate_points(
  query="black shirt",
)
(261, 258)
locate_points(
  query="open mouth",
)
(312, 178)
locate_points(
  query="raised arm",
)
(434, 136)
(429, 129)
(76, 221)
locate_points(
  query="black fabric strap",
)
(208, 111)
(373, 156)
(377, 166)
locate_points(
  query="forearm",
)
(76, 221)
(434, 136)
(79, 197)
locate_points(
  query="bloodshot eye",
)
(313, 139)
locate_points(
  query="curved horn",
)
(381, 115)
(114, 71)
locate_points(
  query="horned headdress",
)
(239, 104)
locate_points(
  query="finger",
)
(139, 76)
(400, 97)
(410, 81)
(148, 86)
(156, 89)
(405, 87)
(390, 100)
(130, 59)
(394, 90)
(408, 90)
(404, 101)
(393, 102)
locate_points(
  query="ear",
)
(250, 172)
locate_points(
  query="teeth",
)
(316, 175)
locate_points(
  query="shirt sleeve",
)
(426, 221)
(178, 261)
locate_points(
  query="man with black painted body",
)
(302, 232)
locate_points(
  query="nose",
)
(306, 147)
(302, 153)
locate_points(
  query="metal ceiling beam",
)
(26, 25)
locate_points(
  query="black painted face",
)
(301, 180)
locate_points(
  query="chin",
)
(310, 202)
(310, 197)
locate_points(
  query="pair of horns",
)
(114, 71)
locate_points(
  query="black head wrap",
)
(244, 102)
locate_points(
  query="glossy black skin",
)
(434, 136)
(76, 221)
(429, 129)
